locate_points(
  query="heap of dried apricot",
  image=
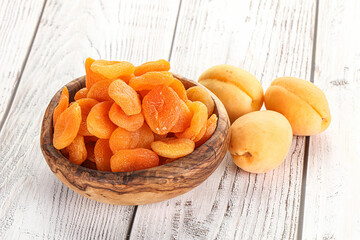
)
(127, 118)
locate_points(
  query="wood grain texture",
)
(269, 39)
(140, 187)
(332, 194)
(33, 202)
(18, 22)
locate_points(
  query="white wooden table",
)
(314, 194)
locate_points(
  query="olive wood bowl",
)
(138, 187)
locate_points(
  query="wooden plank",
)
(33, 202)
(332, 186)
(269, 39)
(18, 20)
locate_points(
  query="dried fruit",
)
(91, 77)
(125, 97)
(62, 105)
(77, 150)
(98, 121)
(173, 148)
(179, 88)
(123, 139)
(121, 119)
(146, 137)
(184, 119)
(150, 80)
(161, 109)
(127, 160)
(103, 154)
(90, 150)
(67, 126)
(200, 94)
(82, 93)
(159, 65)
(99, 91)
(112, 69)
(86, 104)
(211, 124)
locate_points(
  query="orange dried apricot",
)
(125, 97)
(159, 65)
(119, 117)
(173, 148)
(200, 134)
(179, 88)
(123, 139)
(146, 137)
(158, 137)
(62, 105)
(161, 109)
(211, 124)
(184, 119)
(200, 94)
(86, 104)
(198, 120)
(82, 93)
(112, 69)
(90, 150)
(143, 93)
(150, 80)
(98, 121)
(67, 126)
(91, 77)
(99, 91)
(127, 160)
(127, 78)
(89, 139)
(102, 154)
(77, 150)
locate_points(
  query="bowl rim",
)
(103, 176)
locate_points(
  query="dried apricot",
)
(127, 160)
(198, 120)
(150, 80)
(123, 139)
(91, 77)
(184, 119)
(179, 88)
(77, 150)
(146, 137)
(67, 126)
(86, 105)
(200, 134)
(103, 154)
(173, 148)
(62, 105)
(127, 78)
(119, 117)
(112, 69)
(143, 93)
(90, 150)
(89, 164)
(211, 124)
(125, 97)
(98, 121)
(159, 65)
(161, 109)
(99, 91)
(200, 94)
(82, 93)
(158, 137)
(88, 139)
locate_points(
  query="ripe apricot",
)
(62, 105)
(198, 93)
(128, 122)
(125, 97)
(179, 88)
(173, 148)
(82, 93)
(146, 137)
(123, 139)
(77, 150)
(90, 150)
(127, 160)
(112, 69)
(102, 154)
(91, 77)
(198, 120)
(184, 119)
(98, 121)
(150, 80)
(67, 126)
(86, 105)
(161, 109)
(99, 91)
(211, 124)
(153, 66)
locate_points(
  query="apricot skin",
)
(260, 141)
(301, 102)
(239, 91)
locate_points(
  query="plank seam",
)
(307, 139)
(17, 82)
(128, 234)
(175, 28)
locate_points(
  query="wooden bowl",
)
(139, 187)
